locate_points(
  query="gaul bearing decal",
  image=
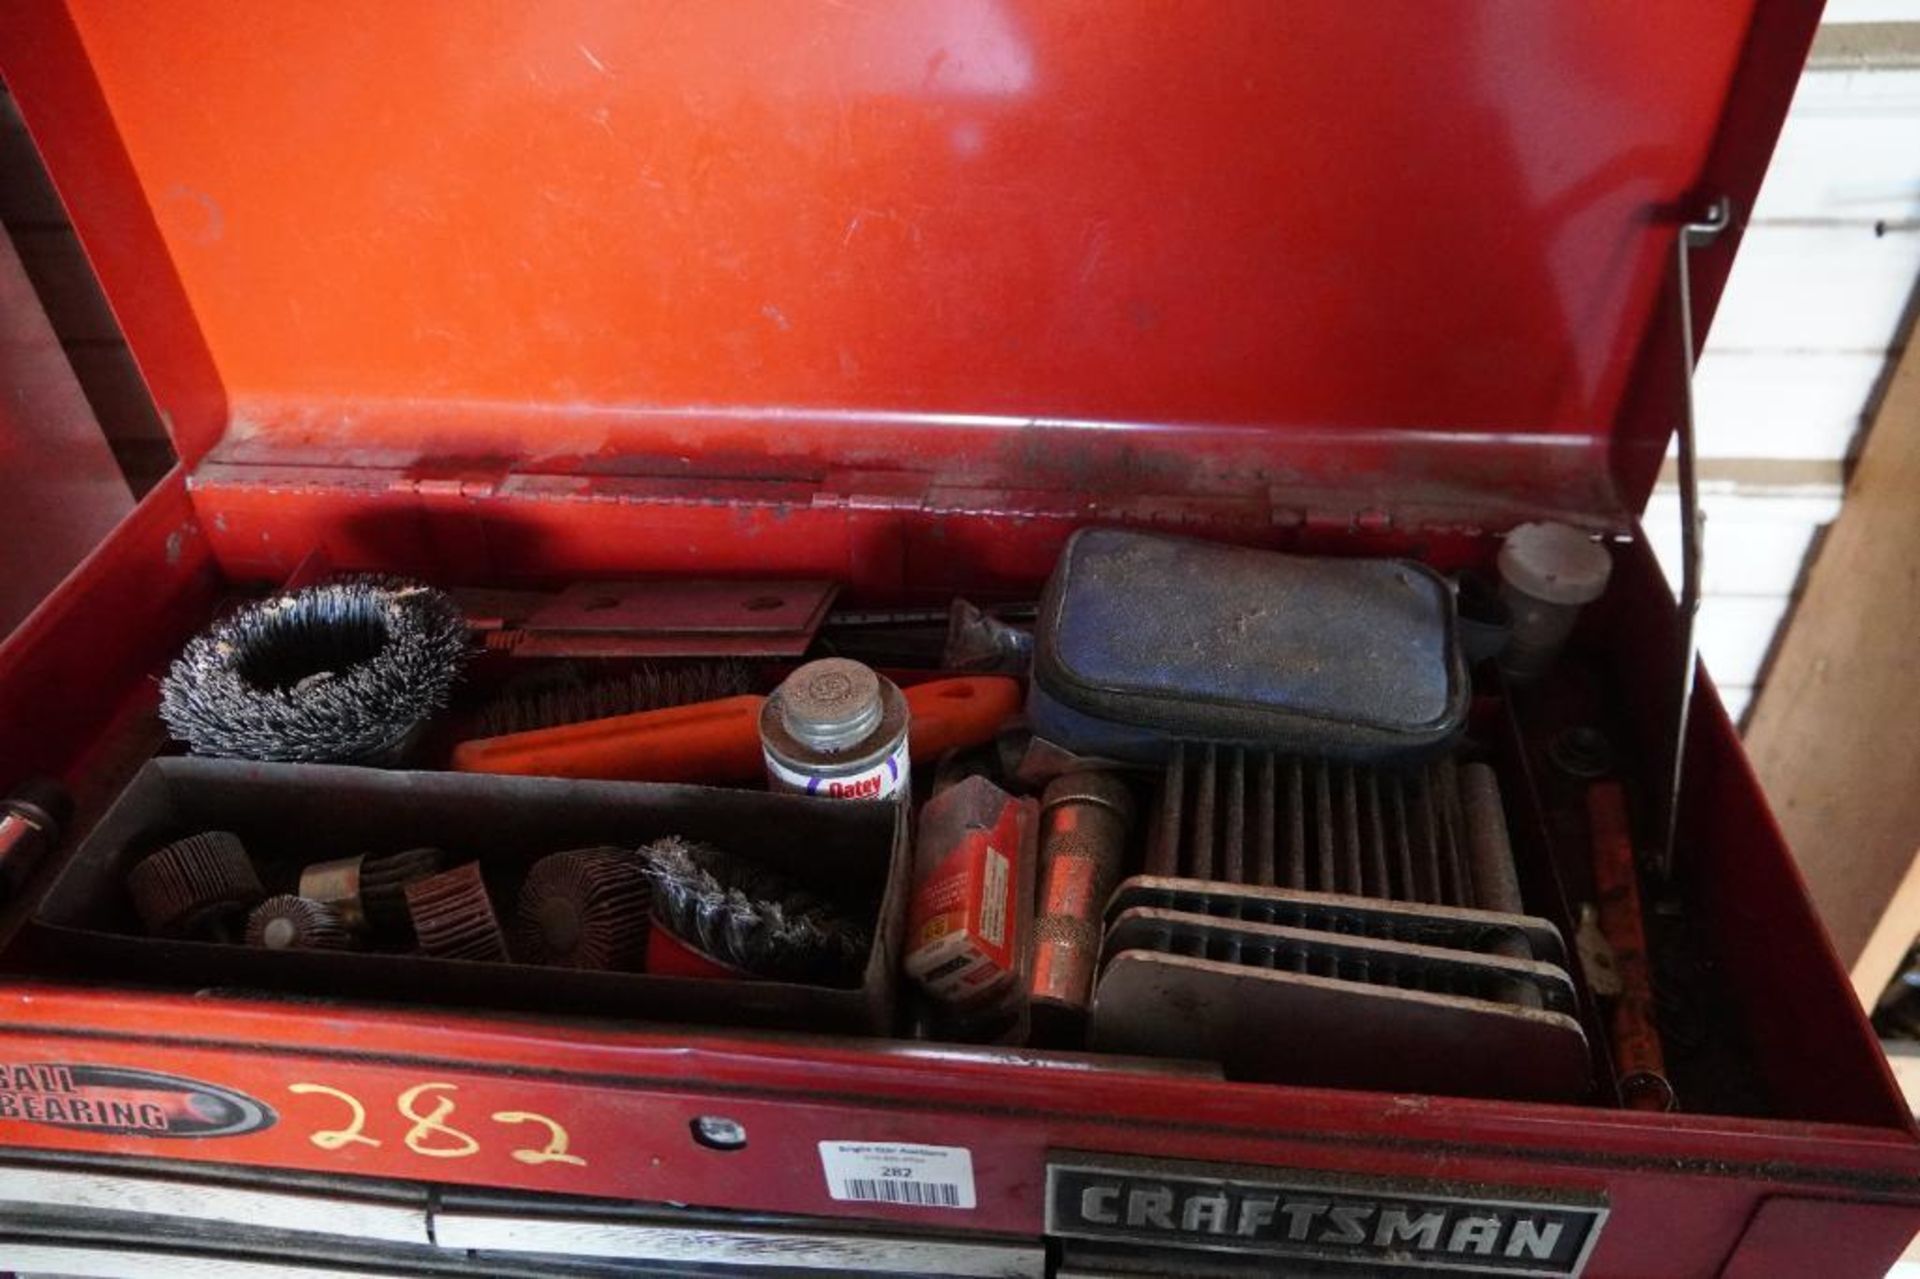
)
(125, 1102)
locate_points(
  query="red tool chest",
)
(897, 295)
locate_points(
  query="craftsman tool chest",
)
(1160, 483)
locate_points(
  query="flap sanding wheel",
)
(288, 922)
(199, 885)
(584, 909)
(453, 917)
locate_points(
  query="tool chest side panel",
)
(1792, 1236)
(76, 660)
(1794, 992)
(47, 70)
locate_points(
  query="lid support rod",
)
(1693, 235)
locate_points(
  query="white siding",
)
(1800, 343)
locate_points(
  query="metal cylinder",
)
(1084, 823)
(1639, 1061)
(1496, 885)
(32, 819)
(337, 884)
(1547, 573)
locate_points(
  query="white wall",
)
(1811, 316)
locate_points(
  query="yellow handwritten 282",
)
(429, 1133)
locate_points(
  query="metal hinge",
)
(873, 490)
(482, 484)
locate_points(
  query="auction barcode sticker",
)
(890, 1173)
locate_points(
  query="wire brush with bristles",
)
(751, 918)
(341, 672)
(569, 694)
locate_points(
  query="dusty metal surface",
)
(1314, 896)
(1457, 927)
(1442, 926)
(768, 618)
(1375, 961)
(1303, 1029)
(1253, 817)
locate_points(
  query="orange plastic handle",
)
(713, 742)
(950, 714)
(718, 742)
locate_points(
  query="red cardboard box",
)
(972, 892)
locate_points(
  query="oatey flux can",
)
(836, 728)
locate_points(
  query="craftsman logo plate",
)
(1279, 1213)
(125, 1102)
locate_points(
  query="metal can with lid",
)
(836, 728)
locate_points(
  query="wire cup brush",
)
(716, 915)
(345, 672)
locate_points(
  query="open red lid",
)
(1420, 252)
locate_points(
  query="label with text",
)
(894, 1173)
(889, 777)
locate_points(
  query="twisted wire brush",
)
(340, 672)
(751, 919)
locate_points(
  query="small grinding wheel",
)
(384, 880)
(198, 885)
(453, 918)
(287, 922)
(584, 909)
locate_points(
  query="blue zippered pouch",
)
(1143, 640)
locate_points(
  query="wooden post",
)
(1835, 733)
